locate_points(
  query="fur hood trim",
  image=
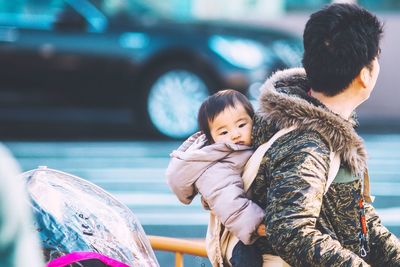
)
(283, 103)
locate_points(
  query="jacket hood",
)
(284, 102)
(193, 158)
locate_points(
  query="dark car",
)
(80, 64)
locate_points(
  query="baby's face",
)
(232, 125)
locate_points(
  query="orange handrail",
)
(179, 246)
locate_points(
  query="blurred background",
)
(106, 89)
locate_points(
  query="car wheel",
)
(173, 101)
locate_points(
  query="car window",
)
(29, 13)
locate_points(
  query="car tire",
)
(174, 95)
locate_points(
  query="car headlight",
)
(288, 51)
(240, 52)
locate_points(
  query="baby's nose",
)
(235, 134)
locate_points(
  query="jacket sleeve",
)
(181, 174)
(384, 246)
(227, 200)
(182, 184)
(294, 203)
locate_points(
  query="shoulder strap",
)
(253, 164)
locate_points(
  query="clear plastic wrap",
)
(73, 214)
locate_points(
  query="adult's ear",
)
(364, 77)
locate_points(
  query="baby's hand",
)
(261, 230)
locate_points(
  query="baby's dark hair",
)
(217, 103)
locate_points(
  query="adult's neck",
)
(342, 104)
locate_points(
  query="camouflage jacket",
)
(304, 226)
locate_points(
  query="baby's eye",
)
(242, 125)
(223, 133)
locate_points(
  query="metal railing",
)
(179, 246)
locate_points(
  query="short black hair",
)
(217, 103)
(339, 41)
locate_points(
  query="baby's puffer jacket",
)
(215, 171)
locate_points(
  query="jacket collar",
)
(284, 102)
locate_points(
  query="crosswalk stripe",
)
(166, 218)
(386, 189)
(390, 216)
(149, 199)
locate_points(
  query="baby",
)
(211, 163)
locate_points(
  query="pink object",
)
(80, 256)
